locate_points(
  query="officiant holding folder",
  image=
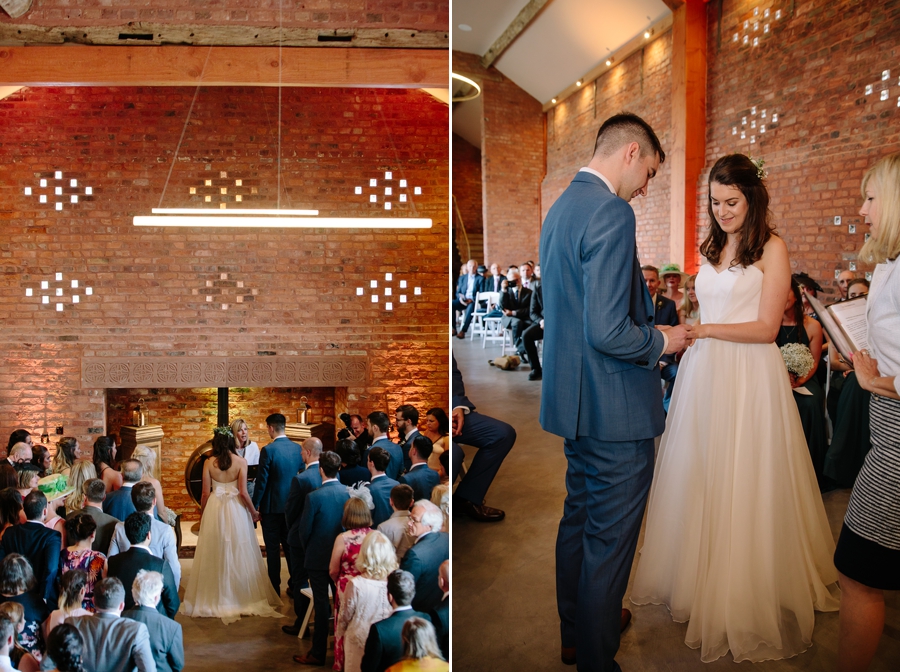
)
(247, 449)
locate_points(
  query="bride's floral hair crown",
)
(759, 163)
(224, 430)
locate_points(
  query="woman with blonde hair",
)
(689, 310)
(67, 451)
(440, 497)
(82, 470)
(420, 648)
(27, 478)
(19, 656)
(365, 597)
(147, 458)
(868, 550)
(246, 448)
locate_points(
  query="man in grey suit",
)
(601, 383)
(94, 490)
(166, 639)
(113, 643)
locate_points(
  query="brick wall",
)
(640, 84)
(467, 184)
(512, 164)
(298, 293)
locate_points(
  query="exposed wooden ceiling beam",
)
(223, 66)
(149, 34)
(520, 23)
(673, 4)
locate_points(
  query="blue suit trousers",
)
(607, 484)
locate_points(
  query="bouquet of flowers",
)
(798, 359)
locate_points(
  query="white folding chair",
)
(491, 299)
(309, 610)
(493, 332)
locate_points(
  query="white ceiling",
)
(564, 42)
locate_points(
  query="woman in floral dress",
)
(80, 532)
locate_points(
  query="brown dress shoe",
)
(568, 655)
(479, 512)
(309, 659)
(626, 619)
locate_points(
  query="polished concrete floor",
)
(504, 597)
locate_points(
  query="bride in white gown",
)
(228, 578)
(737, 541)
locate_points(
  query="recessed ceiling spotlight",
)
(609, 61)
(465, 27)
(578, 83)
(647, 34)
(553, 100)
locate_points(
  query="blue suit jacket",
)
(384, 645)
(665, 312)
(279, 462)
(118, 504)
(380, 489)
(40, 545)
(395, 466)
(463, 284)
(600, 377)
(423, 561)
(320, 523)
(406, 445)
(301, 485)
(422, 480)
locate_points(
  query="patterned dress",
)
(352, 542)
(93, 562)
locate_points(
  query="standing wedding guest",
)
(868, 551)
(379, 425)
(162, 537)
(396, 528)
(38, 544)
(380, 485)
(384, 644)
(437, 428)
(66, 649)
(147, 457)
(7, 643)
(672, 278)
(82, 471)
(18, 584)
(20, 658)
(20, 453)
(27, 477)
(365, 598)
(279, 462)
(440, 497)
(19, 436)
(407, 421)
(420, 477)
(246, 448)
(11, 512)
(689, 310)
(118, 503)
(81, 532)
(67, 451)
(749, 581)
(113, 643)
(104, 458)
(73, 586)
(42, 459)
(166, 639)
(440, 615)
(93, 493)
(420, 648)
(352, 472)
(424, 559)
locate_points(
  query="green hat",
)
(672, 269)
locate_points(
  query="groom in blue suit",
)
(601, 383)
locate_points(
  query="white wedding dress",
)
(228, 578)
(737, 541)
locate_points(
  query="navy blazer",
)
(405, 445)
(422, 480)
(440, 618)
(118, 504)
(166, 639)
(458, 391)
(487, 285)
(665, 312)
(125, 567)
(380, 488)
(320, 523)
(517, 299)
(352, 475)
(279, 462)
(463, 284)
(40, 546)
(301, 485)
(600, 373)
(423, 561)
(395, 466)
(384, 645)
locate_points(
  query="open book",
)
(845, 323)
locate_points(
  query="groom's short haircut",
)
(109, 593)
(330, 463)
(380, 458)
(623, 128)
(142, 496)
(276, 421)
(402, 587)
(137, 527)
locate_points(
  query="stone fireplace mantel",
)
(269, 371)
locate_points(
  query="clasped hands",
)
(682, 336)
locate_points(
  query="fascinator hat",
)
(361, 491)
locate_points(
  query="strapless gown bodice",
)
(731, 296)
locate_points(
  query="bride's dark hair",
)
(737, 170)
(222, 445)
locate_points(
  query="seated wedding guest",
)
(73, 586)
(66, 649)
(19, 436)
(420, 477)
(27, 476)
(809, 285)
(67, 451)
(526, 275)
(437, 428)
(126, 565)
(799, 328)
(492, 283)
(11, 512)
(320, 524)
(440, 497)
(113, 643)
(515, 304)
(534, 333)
(420, 648)
(466, 290)
(672, 278)
(81, 531)
(444, 467)
(38, 544)
(357, 521)
(82, 471)
(379, 425)
(380, 485)
(162, 537)
(7, 643)
(104, 458)
(19, 657)
(396, 528)
(246, 448)
(493, 438)
(20, 454)
(118, 504)
(365, 598)
(407, 421)
(147, 458)
(868, 550)
(689, 311)
(166, 638)
(843, 282)
(351, 471)
(384, 643)
(857, 287)
(9, 477)
(17, 584)
(424, 559)
(93, 492)
(42, 459)
(440, 615)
